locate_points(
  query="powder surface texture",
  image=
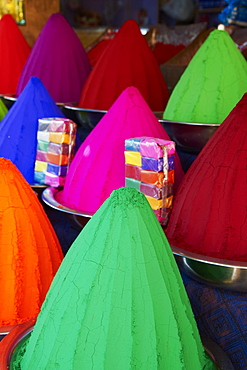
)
(98, 166)
(127, 61)
(212, 84)
(3, 110)
(59, 60)
(30, 253)
(18, 129)
(14, 52)
(95, 53)
(117, 300)
(164, 52)
(209, 211)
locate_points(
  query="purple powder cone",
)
(18, 129)
(59, 60)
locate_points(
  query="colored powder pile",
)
(98, 167)
(117, 300)
(95, 53)
(3, 110)
(127, 61)
(59, 60)
(30, 253)
(209, 211)
(18, 129)
(14, 52)
(212, 84)
(164, 52)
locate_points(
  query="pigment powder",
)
(164, 52)
(14, 52)
(209, 211)
(117, 300)
(30, 253)
(18, 129)
(59, 60)
(212, 84)
(98, 167)
(95, 53)
(3, 110)
(127, 61)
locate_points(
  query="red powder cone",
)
(128, 61)
(30, 253)
(95, 53)
(209, 211)
(14, 51)
(164, 52)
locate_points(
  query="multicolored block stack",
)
(149, 168)
(55, 150)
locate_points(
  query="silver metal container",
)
(189, 137)
(219, 273)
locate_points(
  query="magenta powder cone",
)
(98, 167)
(209, 211)
(59, 60)
(127, 61)
(14, 51)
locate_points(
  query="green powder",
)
(117, 300)
(212, 84)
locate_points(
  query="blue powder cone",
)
(18, 129)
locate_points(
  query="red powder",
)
(209, 210)
(14, 51)
(95, 53)
(127, 61)
(164, 52)
(30, 253)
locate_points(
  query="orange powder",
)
(30, 253)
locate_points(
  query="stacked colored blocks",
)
(55, 149)
(149, 168)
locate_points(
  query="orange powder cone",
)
(30, 253)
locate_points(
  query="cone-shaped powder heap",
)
(127, 61)
(117, 300)
(59, 60)
(98, 167)
(30, 253)
(14, 52)
(212, 84)
(209, 211)
(3, 110)
(18, 129)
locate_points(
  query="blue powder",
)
(18, 129)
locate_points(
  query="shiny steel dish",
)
(78, 218)
(189, 137)
(219, 273)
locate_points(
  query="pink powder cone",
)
(127, 61)
(98, 167)
(209, 211)
(59, 60)
(14, 51)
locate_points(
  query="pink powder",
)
(209, 210)
(98, 166)
(127, 61)
(59, 60)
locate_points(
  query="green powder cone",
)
(212, 84)
(3, 110)
(117, 301)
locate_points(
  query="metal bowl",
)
(189, 137)
(12, 344)
(77, 217)
(219, 273)
(88, 118)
